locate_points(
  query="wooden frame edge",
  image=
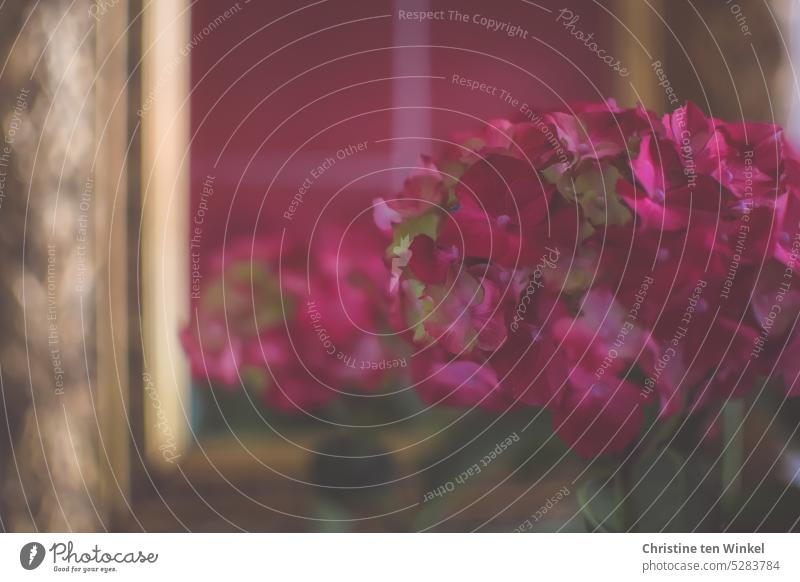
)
(165, 123)
(111, 259)
(641, 17)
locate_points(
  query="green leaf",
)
(331, 517)
(600, 504)
(596, 192)
(404, 232)
(651, 498)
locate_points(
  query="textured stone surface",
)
(48, 455)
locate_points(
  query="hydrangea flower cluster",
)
(596, 262)
(294, 322)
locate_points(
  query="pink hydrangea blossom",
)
(598, 261)
(298, 324)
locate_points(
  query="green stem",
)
(733, 454)
(622, 491)
(664, 432)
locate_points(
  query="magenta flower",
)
(297, 328)
(600, 262)
(598, 416)
(504, 215)
(463, 383)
